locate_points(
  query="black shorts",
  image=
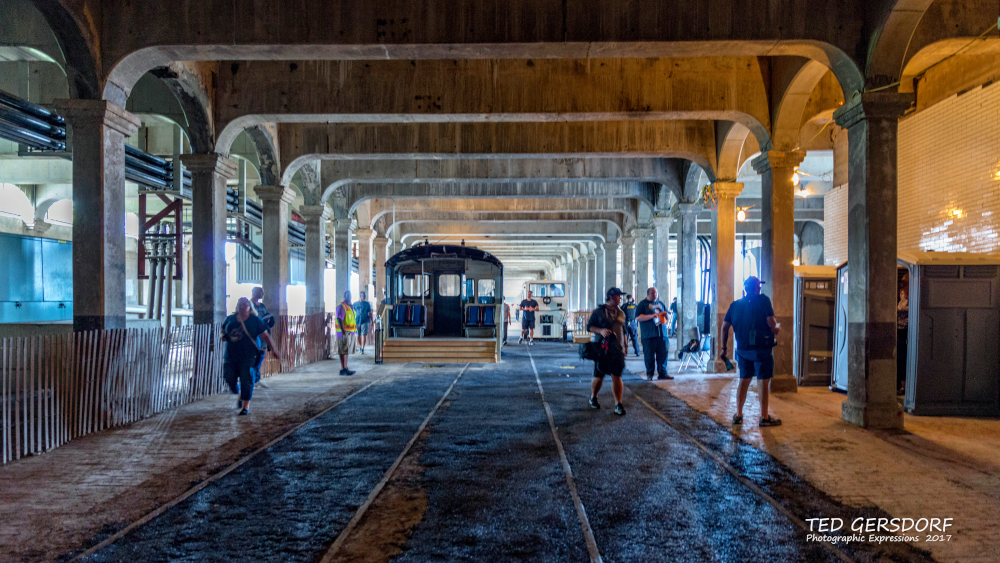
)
(526, 324)
(612, 364)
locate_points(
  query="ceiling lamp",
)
(741, 215)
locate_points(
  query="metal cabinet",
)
(813, 330)
(838, 378)
(36, 279)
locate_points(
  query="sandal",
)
(737, 419)
(770, 421)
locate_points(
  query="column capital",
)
(728, 190)
(777, 159)
(364, 233)
(315, 213)
(614, 244)
(641, 232)
(663, 221)
(591, 257)
(380, 240)
(213, 163)
(341, 225)
(81, 113)
(873, 105)
(628, 240)
(274, 194)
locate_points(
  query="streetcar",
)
(553, 307)
(448, 291)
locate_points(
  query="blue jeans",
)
(654, 352)
(632, 332)
(240, 378)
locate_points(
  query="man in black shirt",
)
(752, 319)
(608, 322)
(650, 314)
(631, 327)
(528, 307)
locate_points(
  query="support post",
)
(599, 275)
(364, 236)
(275, 200)
(872, 121)
(642, 262)
(209, 173)
(98, 130)
(723, 265)
(610, 267)
(687, 273)
(316, 217)
(342, 255)
(591, 280)
(661, 229)
(777, 233)
(628, 268)
(379, 245)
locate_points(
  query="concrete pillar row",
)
(628, 268)
(379, 244)
(275, 275)
(316, 217)
(364, 236)
(574, 285)
(209, 173)
(610, 267)
(661, 261)
(723, 265)
(777, 233)
(642, 262)
(597, 289)
(342, 255)
(591, 280)
(872, 121)
(688, 274)
(98, 130)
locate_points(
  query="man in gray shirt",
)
(650, 315)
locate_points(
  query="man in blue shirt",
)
(752, 320)
(649, 313)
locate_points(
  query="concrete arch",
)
(78, 39)
(736, 148)
(788, 117)
(626, 209)
(265, 141)
(190, 83)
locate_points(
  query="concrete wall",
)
(949, 177)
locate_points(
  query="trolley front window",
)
(414, 285)
(547, 289)
(449, 285)
(487, 291)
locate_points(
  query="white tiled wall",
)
(949, 175)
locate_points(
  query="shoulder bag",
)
(259, 352)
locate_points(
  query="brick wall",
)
(949, 174)
(835, 226)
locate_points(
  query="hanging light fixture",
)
(795, 177)
(741, 215)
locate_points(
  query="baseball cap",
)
(751, 281)
(615, 291)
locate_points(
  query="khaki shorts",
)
(347, 344)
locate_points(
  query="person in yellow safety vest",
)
(347, 332)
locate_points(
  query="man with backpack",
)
(608, 322)
(752, 320)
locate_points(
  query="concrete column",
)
(641, 262)
(209, 173)
(275, 200)
(597, 288)
(592, 290)
(575, 283)
(610, 267)
(628, 268)
(342, 255)
(688, 275)
(723, 265)
(871, 121)
(98, 130)
(316, 217)
(661, 230)
(379, 244)
(777, 232)
(365, 258)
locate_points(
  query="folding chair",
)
(699, 358)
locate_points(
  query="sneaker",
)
(239, 403)
(362, 350)
(531, 343)
(664, 376)
(594, 404)
(649, 377)
(244, 412)
(346, 372)
(619, 409)
(770, 421)
(737, 419)
(520, 340)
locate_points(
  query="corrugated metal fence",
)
(56, 388)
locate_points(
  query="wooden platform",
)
(439, 350)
